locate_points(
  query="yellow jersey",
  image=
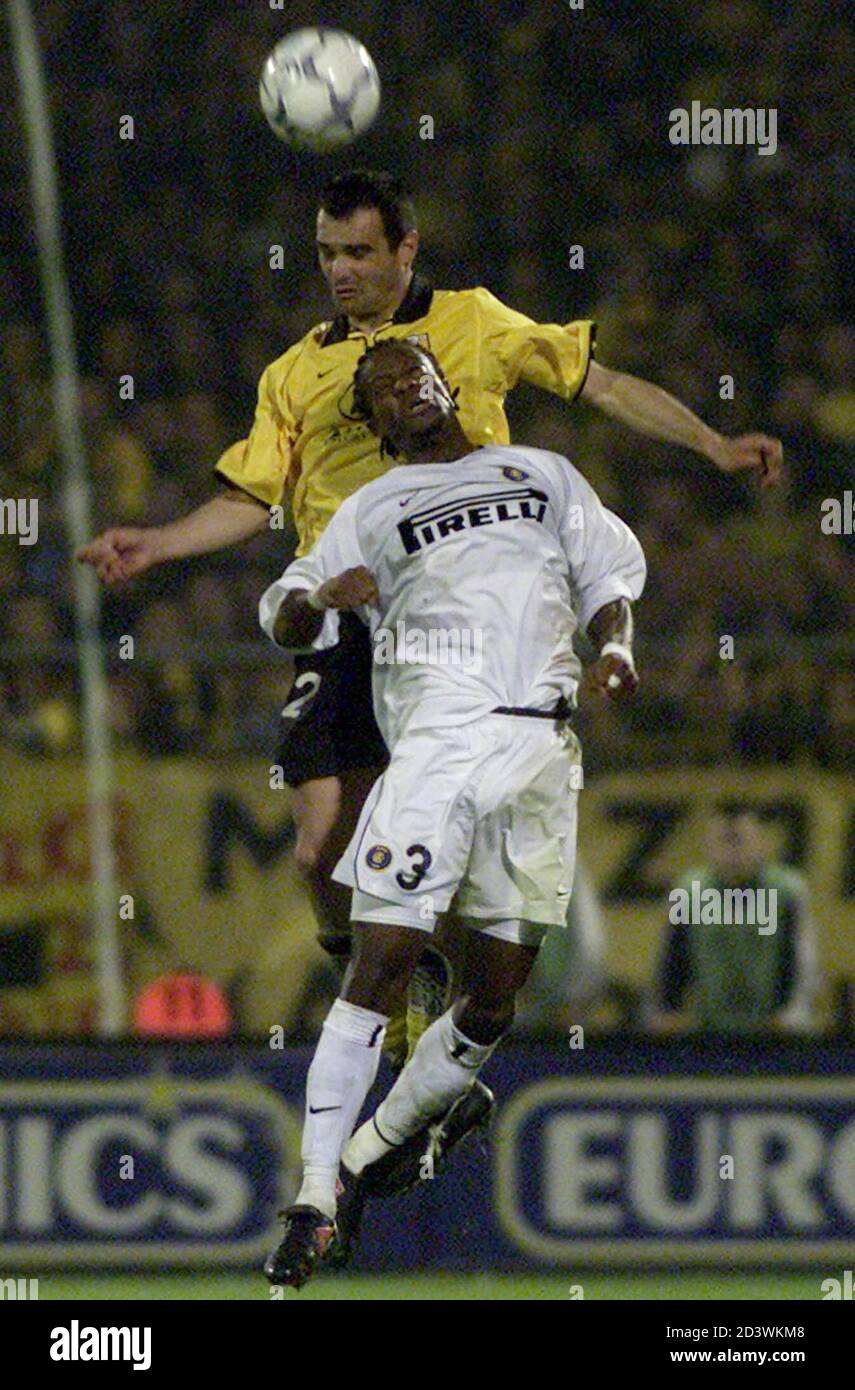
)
(304, 442)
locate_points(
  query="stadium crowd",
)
(699, 263)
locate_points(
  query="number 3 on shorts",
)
(424, 860)
(309, 683)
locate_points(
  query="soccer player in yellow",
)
(306, 451)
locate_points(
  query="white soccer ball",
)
(319, 89)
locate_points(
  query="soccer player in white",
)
(305, 450)
(512, 547)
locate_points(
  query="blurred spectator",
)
(741, 969)
(40, 713)
(835, 746)
(178, 702)
(121, 470)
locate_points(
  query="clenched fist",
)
(122, 553)
(758, 451)
(614, 676)
(351, 589)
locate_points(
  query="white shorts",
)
(486, 811)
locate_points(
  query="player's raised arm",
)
(559, 358)
(254, 474)
(651, 411)
(126, 551)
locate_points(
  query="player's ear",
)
(408, 248)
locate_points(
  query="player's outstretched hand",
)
(758, 451)
(613, 676)
(120, 554)
(351, 589)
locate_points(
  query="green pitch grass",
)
(436, 1287)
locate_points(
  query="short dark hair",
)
(365, 188)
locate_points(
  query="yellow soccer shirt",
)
(305, 445)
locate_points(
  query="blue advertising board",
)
(624, 1154)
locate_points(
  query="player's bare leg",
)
(326, 812)
(438, 1100)
(441, 1073)
(494, 972)
(443, 1070)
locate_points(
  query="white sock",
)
(343, 1069)
(443, 1066)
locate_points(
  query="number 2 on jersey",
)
(294, 708)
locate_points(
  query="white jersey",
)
(485, 568)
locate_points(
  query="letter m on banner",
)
(231, 823)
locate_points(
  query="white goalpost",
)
(77, 513)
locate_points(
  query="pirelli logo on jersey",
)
(435, 523)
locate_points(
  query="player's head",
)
(734, 841)
(400, 391)
(367, 241)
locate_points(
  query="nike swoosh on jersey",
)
(322, 1109)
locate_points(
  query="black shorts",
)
(328, 723)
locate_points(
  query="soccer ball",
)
(319, 89)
